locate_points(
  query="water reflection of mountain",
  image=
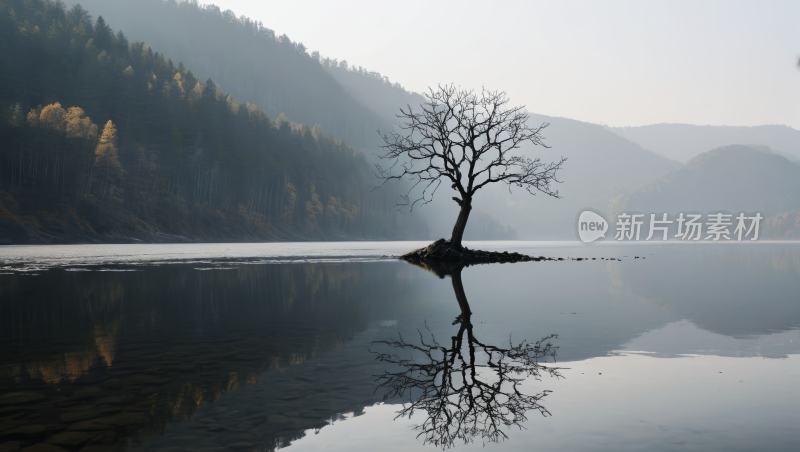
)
(739, 290)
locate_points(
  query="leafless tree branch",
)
(465, 139)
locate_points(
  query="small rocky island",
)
(441, 251)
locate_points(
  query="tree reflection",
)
(468, 389)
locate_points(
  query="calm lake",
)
(319, 346)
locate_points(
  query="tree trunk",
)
(461, 225)
(461, 296)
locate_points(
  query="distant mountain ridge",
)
(243, 57)
(600, 165)
(733, 178)
(683, 141)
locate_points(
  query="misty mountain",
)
(731, 178)
(247, 59)
(683, 141)
(600, 165)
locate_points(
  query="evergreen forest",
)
(105, 139)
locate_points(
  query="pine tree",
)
(103, 35)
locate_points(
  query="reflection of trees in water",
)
(172, 339)
(467, 389)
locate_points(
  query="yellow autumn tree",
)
(52, 117)
(33, 116)
(107, 166)
(55, 118)
(78, 125)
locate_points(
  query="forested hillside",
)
(106, 139)
(249, 60)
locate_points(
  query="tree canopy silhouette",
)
(465, 139)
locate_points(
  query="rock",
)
(241, 446)
(70, 438)
(21, 397)
(441, 253)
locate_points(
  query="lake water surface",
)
(318, 346)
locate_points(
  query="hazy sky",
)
(614, 62)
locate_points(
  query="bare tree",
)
(464, 139)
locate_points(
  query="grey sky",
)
(621, 63)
